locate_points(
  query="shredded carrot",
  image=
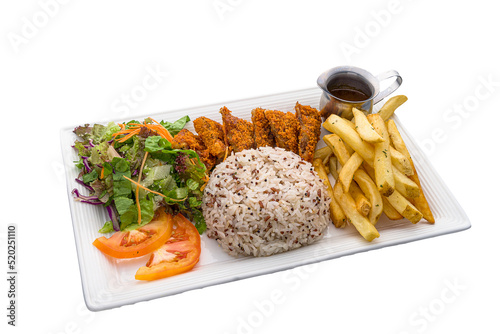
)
(130, 135)
(158, 128)
(154, 121)
(152, 191)
(137, 190)
(142, 165)
(138, 206)
(102, 173)
(161, 130)
(206, 179)
(135, 128)
(121, 132)
(165, 133)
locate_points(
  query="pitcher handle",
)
(389, 90)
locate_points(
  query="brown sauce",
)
(349, 87)
(349, 94)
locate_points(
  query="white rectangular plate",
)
(109, 282)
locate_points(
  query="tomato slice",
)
(138, 242)
(179, 254)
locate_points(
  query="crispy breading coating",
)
(263, 135)
(309, 130)
(212, 134)
(285, 128)
(186, 140)
(239, 132)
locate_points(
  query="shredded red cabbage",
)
(86, 199)
(85, 185)
(113, 216)
(86, 164)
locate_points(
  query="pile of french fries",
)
(373, 169)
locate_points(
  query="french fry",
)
(342, 128)
(370, 190)
(326, 162)
(332, 163)
(370, 151)
(360, 222)
(348, 148)
(400, 161)
(362, 203)
(389, 210)
(336, 144)
(350, 123)
(396, 138)
(405, 185)
(322, 153)
(404, 207)
(384, 176)
(339, 166)
(347, 172)
(336, 213)
(391, 105)
(327, 168)
(364, 181)
(402, 182)
(420, 202)
(365, 129)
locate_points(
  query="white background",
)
(77, 62)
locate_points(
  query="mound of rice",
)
(265, 201)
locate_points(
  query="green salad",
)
(131, 169)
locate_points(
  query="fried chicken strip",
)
(309, 130)
(285, 128)
(263, 135)
(212, 135)
(239, 132)
(186, 140)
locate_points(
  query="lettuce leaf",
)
(192, 184)
(107, 228)
(199, 221)
(82, 150)
(175, 127)
(178, 193)
(97, 133)
(111, 128)
(84, 131)
(147, 210)
(127, 210)
(89, 177)
(121, 186)
(154, 144)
